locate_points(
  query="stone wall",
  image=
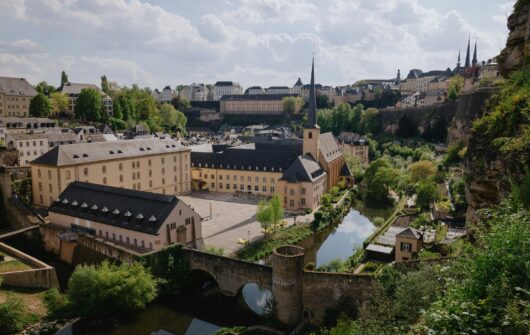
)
(322, 290)
(42, 275)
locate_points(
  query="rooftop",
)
(303, 169)
(16, 86)
(124, 208)
(243, 97)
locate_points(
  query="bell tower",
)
(311, 128)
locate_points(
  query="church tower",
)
(474, 61)
(467, 64)
(311, 129)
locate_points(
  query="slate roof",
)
(303, 169)
(345, 170)
(352, 138)
(278, 87)
(328, 147)
(112, 206)
(243, 97)
(16, 86)
(410, 232)
(226, 83)
(75, 88)
(298, 82)
(27, 136)
(22, 122)
(73, 154)
(61, 137)
(414, 73)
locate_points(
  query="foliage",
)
(12, 316)
(493, 296)
(44, 88)
(54, 301)
(370, 121)
(170, 267)
(64, 78)
(406, 127)
(105, 84)
(378, 221)
(427, 192)
(59, 102)
(214, 250)
(421, 220)
(334, 265)
(346, 118)
(181, 103)
(379, 177)
(456, 83)
(117, 124)
(453, 155)
(292, 104)
(40, 106)
(422, 170)
(172, 119)
(270, 212)
(107, 288)
(521, 191)
(89, 106)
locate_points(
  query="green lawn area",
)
(426, 254)
(13, 265)
(372, 267)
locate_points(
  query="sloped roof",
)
(16, 86)
(410, 232)
(244, 97)
(75, 88)
(101, 151)
(112, 204)
(345, 170)
(328, 147)
(27, 136)
(298, 82)
(303, 169)
(226, 83)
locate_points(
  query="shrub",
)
(378, 221)
(107, 288)
(12, 316)
(54, 300)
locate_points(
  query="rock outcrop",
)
(516, 54)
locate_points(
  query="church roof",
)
(303, 169)
(328, 147)
(345, 170)
(298, 82)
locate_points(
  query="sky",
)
(254, 42)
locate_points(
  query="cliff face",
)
(489, 171)
(517, 51)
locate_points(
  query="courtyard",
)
(233, 218)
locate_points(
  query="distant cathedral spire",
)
(467, 53)
(474, 62)
(458, 61)
(312, 112)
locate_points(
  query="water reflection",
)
(255, 297)
(342, 240)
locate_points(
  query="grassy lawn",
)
(372, 267)
(426, 254)
(13, 265)
(32, 300)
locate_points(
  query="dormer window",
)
(127, 214)
(111, 152)
(65, 201)
(148, 148)
(120, 152)
(76, 156)
(57, 199)
(139, 216)
(84, 205)
(74, 203)
(94, 207)
(116, 212)
(152, 219)
(85, 155)
(105, 209)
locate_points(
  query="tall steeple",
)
(467, 53)
(474, 62)
(312, 111)
(458, 61)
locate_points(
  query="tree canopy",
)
(59, 102)
(89, 106)
(40, 106)
(270, 212)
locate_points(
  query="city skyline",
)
(265, 43)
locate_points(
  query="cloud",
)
(256, 42)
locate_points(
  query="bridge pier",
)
(287, 283)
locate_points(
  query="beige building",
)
(12, 125)
(153, 165)
(298, 172)
(138, 220)
(222, 88)
(408, 244)
(354, 144)
(72, 90)
(253, 104)
(15, 96)
(29, 146)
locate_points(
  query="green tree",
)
(456, 83)
(270, 212)
(181, 103)
(59, 102)
(426, 192)
(422, 170)
(379, 177)
(354, 164)
(291, 104)
(172, 119)
(40, 106)
(107, 288)
(89, 105)
(370, 121)
(105, 84)
(64, 78)
(44, 88)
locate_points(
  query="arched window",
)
(310, 135)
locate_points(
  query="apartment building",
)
(138, 220)
(15, 96)
(153, 165)
(354, 144)
(222, 88)
(195, 92)
(29, 146)
(253, 104)
(12, 125)
(72, 90)
(164, 96)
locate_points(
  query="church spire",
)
(312, 112)
(467, 53)
(458, 61)
(474, 62)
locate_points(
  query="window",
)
(291, 203)
(85, 171)
(150, 183)
(104, 180)
(49, 175)
(50, 187)
(303, 202)
(227, 186)
(67, 174)
(162, 160)
(227, 177)
(213, 185)
(220, 186)
(249, 179)
(220, 177)
(405, 246)
(291, 192)
(212, 176)
(256, 179)
(303, 191)
(163, 170)
(264, 189)
(120, 166)
(264, 180)
(149, 162)
(310, 135)
(256, 188)
(121, 178)
(38, 172)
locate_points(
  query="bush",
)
(12, 316)
(54, 301)
(378, 221)
(107, 288)
(334, 265)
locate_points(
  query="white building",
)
(279, 90)
(164, 96)
(255, 90)
(29, 146)
(225, 88)
(195, 92)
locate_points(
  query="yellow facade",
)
(166, 173)
(14, 105)
(233, 181)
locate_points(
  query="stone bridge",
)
(298, 294)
